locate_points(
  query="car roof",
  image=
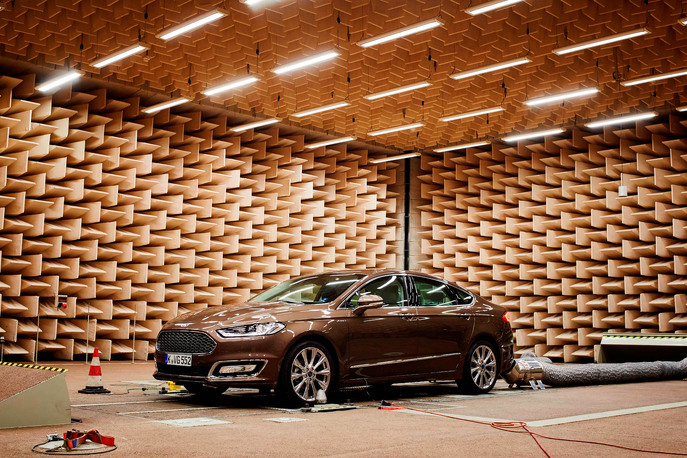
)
(373, 272)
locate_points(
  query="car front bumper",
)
(210, 375)
(241, 362)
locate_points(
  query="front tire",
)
(480, 371)
(306, 369)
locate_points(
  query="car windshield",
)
(316, 289)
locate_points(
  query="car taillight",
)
(505, 317)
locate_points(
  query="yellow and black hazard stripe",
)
(647, 336)
(33, 366)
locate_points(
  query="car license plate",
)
(177, 359)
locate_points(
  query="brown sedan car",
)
(340, 329)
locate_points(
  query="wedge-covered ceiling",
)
(256, 40)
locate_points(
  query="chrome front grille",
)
(185, 342)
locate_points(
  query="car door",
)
(445, 324)
(382, 341)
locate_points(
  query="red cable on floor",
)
(521, 427)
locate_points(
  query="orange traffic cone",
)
(95, 377)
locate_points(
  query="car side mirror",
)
(369, 301)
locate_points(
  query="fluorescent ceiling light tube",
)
(541, 133)
(231, 85)
(683, 21)
(682, 108)
(622, 119)
(490, 68)
(489, 6)
(395, 158)
(398, 90)
(333, 141)
(255, 125)
(119, 55)
(471, 114)
(396, 129)
(652, 78)
(332, 106)
(163, 105)
(251, 2)
(308, 61)
(601, 41)
(562, 96)
(459, 147)
(192, 24)
(399, 33)
(59, 81)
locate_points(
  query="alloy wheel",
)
(483, 367)
(310, 372)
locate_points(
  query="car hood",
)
(247, 313)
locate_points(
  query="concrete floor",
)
(643, 415)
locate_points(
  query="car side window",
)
(434, 293)
(464, 298)
(390, 289)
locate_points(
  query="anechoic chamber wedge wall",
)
(540, 228)
(140, 218)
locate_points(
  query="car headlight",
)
(249, 330)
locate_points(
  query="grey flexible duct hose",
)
(594, 374)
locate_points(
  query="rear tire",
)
(307, 368)
(480, 371)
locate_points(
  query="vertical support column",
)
(406, 214)
(413, 203)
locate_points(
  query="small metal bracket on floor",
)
(328, 407)
(537, 385)
(172, 388)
